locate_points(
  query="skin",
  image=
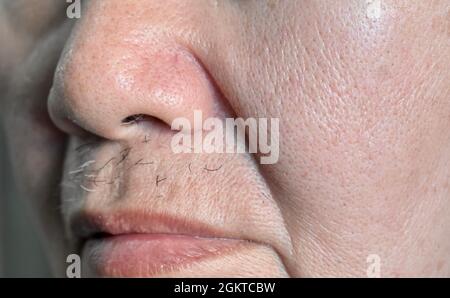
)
(363, 101)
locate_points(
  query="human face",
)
(361, 91)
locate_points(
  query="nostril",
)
(144, 121)
(134, 119)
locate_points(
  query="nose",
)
(112, 72)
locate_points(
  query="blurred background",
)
(21, 253)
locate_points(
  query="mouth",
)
(171, 218)
(136, 245)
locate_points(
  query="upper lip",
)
(91, 224)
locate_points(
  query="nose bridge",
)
(111, 71)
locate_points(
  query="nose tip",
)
(99, 87)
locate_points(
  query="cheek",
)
(36, 147)
(364, 117)
(36, 150)
(361, 92)
(375, 96)
(36, 154)
(363, 107)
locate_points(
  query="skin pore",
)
(361, 90)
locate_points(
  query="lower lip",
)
(146, 255)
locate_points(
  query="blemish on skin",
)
(373, 9)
